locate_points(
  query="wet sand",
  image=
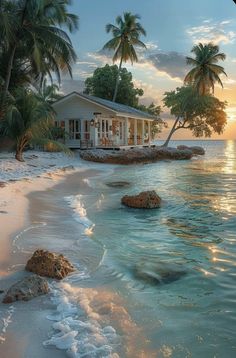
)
(23, 330)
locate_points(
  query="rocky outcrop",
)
(135, 155)
(26, 289)
(196, 150)
(45, 263)
(144, 200)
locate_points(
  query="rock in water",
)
(194, 149)
(118, 184)
(135, 155)
(26, 289)
(144, 200)
(155, 274)
(45, 263)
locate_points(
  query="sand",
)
(40, 172)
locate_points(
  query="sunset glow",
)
(171, 33)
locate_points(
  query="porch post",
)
(67, 130)
(94, 135)
(135, 131)
(82, 125)
(123, 132)
(143, 124)
(100, 126)
(126, 130)
(149, 132)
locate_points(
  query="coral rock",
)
(26, 289)
(45, 263)
(136, 155)
(196, 150)
(144, 200)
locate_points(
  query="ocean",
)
(150, 283)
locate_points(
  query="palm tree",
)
(48, 93)
(28, 119)
(32, 32)
(205, 72)
(126, 34)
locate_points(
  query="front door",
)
(118, 132)
(74, 129)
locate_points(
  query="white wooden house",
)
(94, 122)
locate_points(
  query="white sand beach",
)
(39, 172)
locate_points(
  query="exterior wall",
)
(76, 108)
(111, 130)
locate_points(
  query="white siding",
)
(76, 107)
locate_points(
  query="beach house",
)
(90, 121)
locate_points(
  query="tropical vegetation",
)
(34, 45)
(28, 120)
(202, 114)
(125, 37)
(205, 72)
(194, 106)
(102, 83)
(34, 42)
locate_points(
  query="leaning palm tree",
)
(126, 35)
(205, 72)
(28, 119)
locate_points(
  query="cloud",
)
(209, 31)
(152, 61)
(69, 85)
(171, 63)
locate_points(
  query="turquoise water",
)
(192, 237)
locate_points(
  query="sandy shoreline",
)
(14, 210)
(14, 219)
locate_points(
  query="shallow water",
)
(120, 304)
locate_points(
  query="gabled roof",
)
(118, 108)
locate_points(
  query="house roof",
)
(114, 106)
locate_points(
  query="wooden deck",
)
(88, 144)
(124, 147)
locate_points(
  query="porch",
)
(106, 132)
(120, 132)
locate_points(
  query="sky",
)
(172, 27)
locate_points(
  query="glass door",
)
(74, 129)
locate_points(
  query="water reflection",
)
(195, 228)
(230, 158)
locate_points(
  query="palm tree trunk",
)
(117, 81)
(171, 133)
(19, 155)
(8, 74)
(10, 65)
(7, 81)
(19, 151)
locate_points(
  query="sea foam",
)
(80, 213)
(77, 328)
